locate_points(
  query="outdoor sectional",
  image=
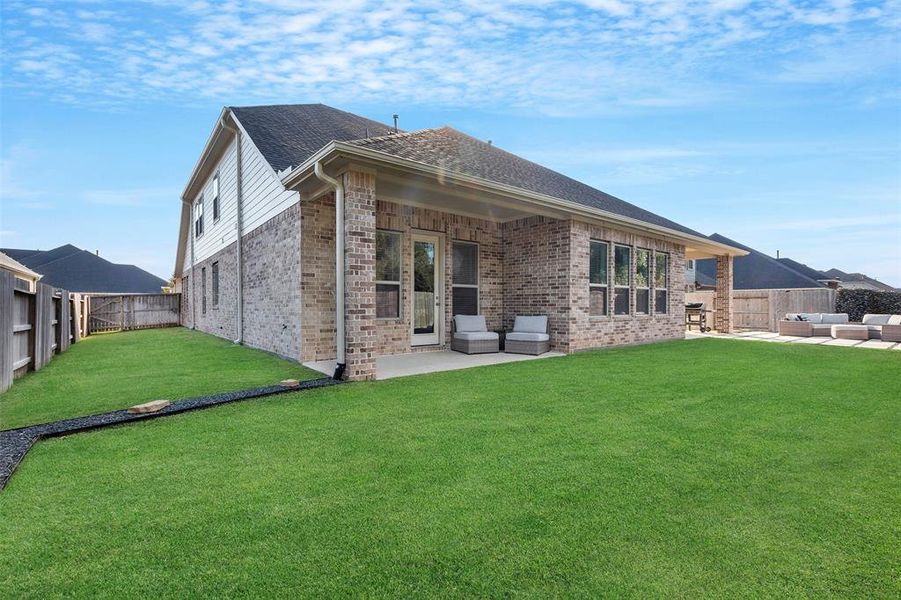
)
(873, 326)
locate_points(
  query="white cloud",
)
(557, 57)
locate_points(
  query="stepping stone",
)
(841, 342)
(879, 344)
(289, 383)
(149, 407)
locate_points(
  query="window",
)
(597, 279)
(215, 192)
(622, 279)
(691, 265)
(387, 274)
(642, 281)
(661, 282)
(198, 218)
(203, 290)
(466, 279)
(215, 274)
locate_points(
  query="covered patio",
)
(420, 363)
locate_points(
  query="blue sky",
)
(775, 123)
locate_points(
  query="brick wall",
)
(359, 279)
(317, 275)
(272, 314)
(218, 320)
(393, 335)
(586, 331)
(536, 274)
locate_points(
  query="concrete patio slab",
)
(419, 363)
(877, 344)
(848, 343)
(812, 340)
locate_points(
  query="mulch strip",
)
(15, 443)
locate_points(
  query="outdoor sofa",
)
(811, 324)
(872, 326)
(470, 335)
(529, 336)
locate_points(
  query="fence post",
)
(7, 299)
(65, 324)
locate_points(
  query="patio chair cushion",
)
(875, 319)
(894, 320)
(470, 323)
(530, 325)
(834, 318)
(519, 336)
(475, 336)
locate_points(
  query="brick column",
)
(359, 274)
(722, 318)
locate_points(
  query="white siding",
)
(264, 195)
(264, 198)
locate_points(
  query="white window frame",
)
(651, 257)
(627, 287)
(605, 285)
(399, 282)
(198, 218)
(217, 208)
(666, 283)
(478, 282)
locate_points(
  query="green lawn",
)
(118, 370)
(685, 469)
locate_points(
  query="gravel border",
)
(15, 443)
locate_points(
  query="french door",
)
(428, 289)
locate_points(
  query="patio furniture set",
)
(836, 325)
(470, 335)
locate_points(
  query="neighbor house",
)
(77, 270)
(357, 240)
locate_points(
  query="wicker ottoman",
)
(891, 333)
(850, 332)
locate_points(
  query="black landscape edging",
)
(15, 443)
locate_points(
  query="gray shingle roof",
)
(288, 134)
(78, 270)
(803, 269)
(756, 271)
(453, 150)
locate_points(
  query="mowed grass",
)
(706, 468)
(118, 370)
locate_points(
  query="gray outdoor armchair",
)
(529, 336)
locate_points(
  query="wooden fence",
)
(36, 325)
(133, 311)
(423, 309)
(762, 309)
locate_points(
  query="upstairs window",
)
(642, 281)
(622, 279)
(387, 274)
(198, 218)
(215, 192)
(597, 279)
(661, 283)
(466, 279)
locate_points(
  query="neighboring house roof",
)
(804, 269)
(756, 270)
(859, 281)
(78, 270)
(455, 151)
(288, 134)
(15, 267)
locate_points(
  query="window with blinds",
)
(466, 278)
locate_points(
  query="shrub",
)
(857, 303)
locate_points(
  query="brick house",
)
(432, 223)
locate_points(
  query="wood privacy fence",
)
(133, 311)
(34, 326)
(762, 309)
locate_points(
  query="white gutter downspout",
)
(191, 234)
(339, 265)
(239, 258)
